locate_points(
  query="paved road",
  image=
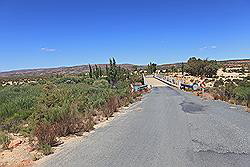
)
(169, 128)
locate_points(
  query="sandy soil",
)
(21, 155)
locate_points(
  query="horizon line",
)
(68, 66)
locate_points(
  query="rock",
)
(37, 156)
(25, 125)
(30, 149)
(15, 143)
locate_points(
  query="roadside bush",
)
(237, 81)
(46, 134)
(217, 93)
(242, 94)
(46, 149)
(88, 81)
(41, 81)
(4, 140)
(237, 94)
(70, 124)
(219, 83)
(102, 83)
(16, 105)
(229, 90)
(67, 109)
(88, 123)
(110, 107)
(59, 106)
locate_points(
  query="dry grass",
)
(47, 133)
(4, 140)
(110, 107)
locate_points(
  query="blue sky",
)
(51, 33)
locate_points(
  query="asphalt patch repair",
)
(192, 108)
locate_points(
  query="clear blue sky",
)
(50, 33)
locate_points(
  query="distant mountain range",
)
(85, 68)
(57, 70)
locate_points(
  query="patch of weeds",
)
(4, 140)
(46, 149)
(46, 134)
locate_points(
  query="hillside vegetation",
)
(62, 105)
(234, 91)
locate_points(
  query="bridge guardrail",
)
(177, 83)
(168, 80)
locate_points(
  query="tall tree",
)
(96, 72)
(151, 68)
(115, 72)
(107, 70)
(112, 72)
(100, 71)
(182, 68)
(114, 62)
(90, 71)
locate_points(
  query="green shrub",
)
(67, 80)
(88, 81)
(16, 105)
(59, 106)
(239, 93)
(4, 140)
(219, 83)
(242, 93)
(102, 83)
(46, 149)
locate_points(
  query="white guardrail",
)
(166, 79)
(169, 80)
(173, 82)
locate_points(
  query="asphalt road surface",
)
(168, 128)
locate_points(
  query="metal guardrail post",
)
(145, 82)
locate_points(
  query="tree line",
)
(199, 67)
(194, 66)
(113, 72)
